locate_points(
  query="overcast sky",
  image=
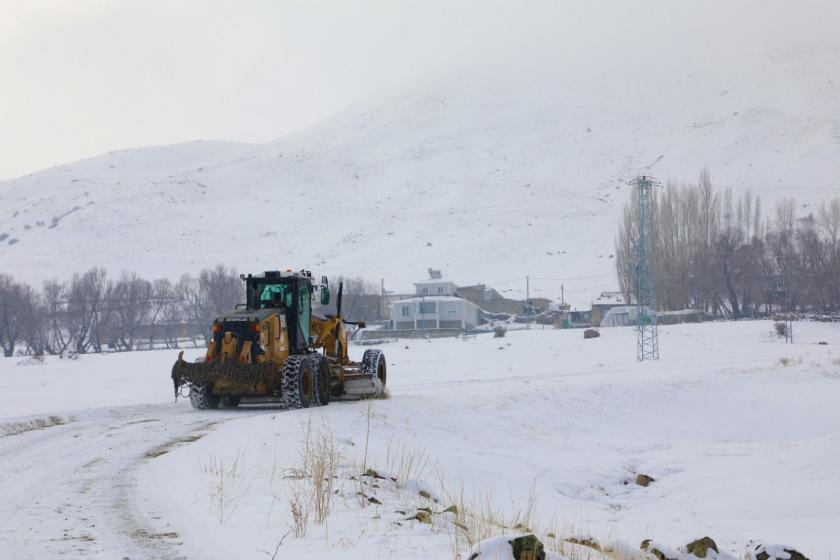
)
(81, 77)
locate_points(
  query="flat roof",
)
(433, 298)
(434, 281)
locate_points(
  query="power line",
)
(774, 188)
(573, 278)
(779, 188)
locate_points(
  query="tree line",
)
(93, 313)
(719, 253)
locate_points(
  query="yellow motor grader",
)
(273, 348)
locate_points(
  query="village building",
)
(492, 301)
(605, 302)
(434, 306)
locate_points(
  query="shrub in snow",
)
(584, 540)
(591, 333)
(775, 552)
(781, 328)
(701, 547)
(423, 515)
(658, 551)
(499, 331)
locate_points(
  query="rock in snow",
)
(776, 552)
(509, 547)
(701, 547)
(644, 480)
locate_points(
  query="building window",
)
(440, 290)
(424, 290)
(404, 311)
(426, 307)
(451, 310)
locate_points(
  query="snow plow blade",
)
(362, 386)
(251, 377)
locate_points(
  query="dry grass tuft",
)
(226, 485)
(405, 463)
(299, 508)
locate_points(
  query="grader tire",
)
(373, 363)
(323, 381)
(202, 397)
(298, 382)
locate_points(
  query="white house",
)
(434, 287)
(434, 307)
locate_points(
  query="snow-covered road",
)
(69, 490)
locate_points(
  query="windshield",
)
(273, 295)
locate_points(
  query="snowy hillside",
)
(488, 179)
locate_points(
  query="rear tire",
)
(373, 363)
(323, 381)
(298, 382)
(202, 397)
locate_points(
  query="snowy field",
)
(740, 431)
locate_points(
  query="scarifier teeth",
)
(206, 373)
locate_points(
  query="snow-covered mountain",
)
(490, 179)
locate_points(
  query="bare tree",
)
(361, 299)
(131, 301)
(829, 219)
(12, 310)
(204, 298)
(55, 307)
(35, 324)
(716, 252)
(165, 316)
(88, 311)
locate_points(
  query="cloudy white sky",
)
(80, 77)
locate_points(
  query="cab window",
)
(275, 295)
(304, 307)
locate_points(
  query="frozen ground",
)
(740, 431)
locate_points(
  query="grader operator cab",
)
(273, 348)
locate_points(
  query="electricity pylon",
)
(647, 335)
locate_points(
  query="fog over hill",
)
(486, 174)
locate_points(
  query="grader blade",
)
(227, 371)
(362, 386)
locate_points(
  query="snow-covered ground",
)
(740, 431)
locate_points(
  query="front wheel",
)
(298, 382)
(373, 364)
(322, 379)
(202, 397)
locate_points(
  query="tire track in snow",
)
(69, 490)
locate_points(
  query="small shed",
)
(605, 302)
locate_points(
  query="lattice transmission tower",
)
(647, 335)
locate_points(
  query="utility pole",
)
(788, 303)
(528, 301)
(381, 298)
(647, 335)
